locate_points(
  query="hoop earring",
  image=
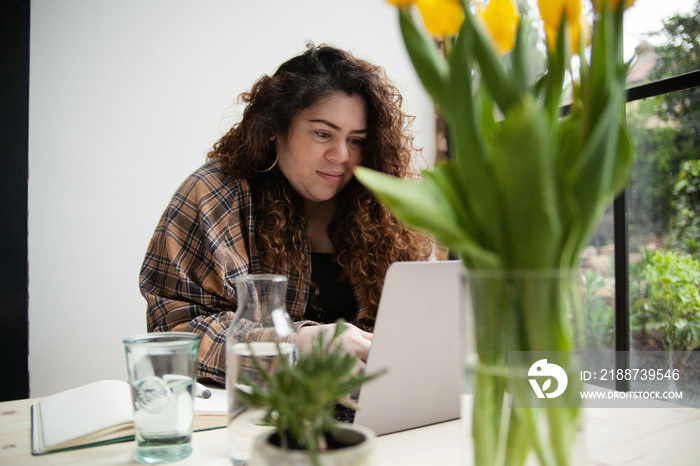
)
(271, 166)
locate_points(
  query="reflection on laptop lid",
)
(416, 339)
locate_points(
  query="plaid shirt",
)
(206, 238)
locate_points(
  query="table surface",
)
(612, 436)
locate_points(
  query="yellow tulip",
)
(501, 18)
(581, 32)
(553, 11)
(441, 17)
(401, 3)
(612, 3)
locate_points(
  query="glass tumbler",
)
(162, 374)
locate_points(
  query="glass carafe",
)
(262, 328)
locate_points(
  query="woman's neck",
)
(318, 216)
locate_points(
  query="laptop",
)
(417, 340)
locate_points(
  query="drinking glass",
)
(162, 375)
(260, 329)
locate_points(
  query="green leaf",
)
(558, 61)
(470, 132)
(443, 176)
(459, 109)
(524, 167)
(421, 205)
(494, 76)
(622, 164)
(519, 58)
(431, 66)
(592, 176)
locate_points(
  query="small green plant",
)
(671, 301)
(299, 399)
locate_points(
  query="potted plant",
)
(300, 399)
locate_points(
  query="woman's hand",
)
(353, 340)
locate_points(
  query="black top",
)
(335, 297)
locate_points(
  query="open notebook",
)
(100, 413)
(417, 339)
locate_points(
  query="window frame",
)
(620, 226)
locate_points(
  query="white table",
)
(614, 436)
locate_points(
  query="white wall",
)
(126, 98)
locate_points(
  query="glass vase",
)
(261, 330)
(521, 402)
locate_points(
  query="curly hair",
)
(366, 237)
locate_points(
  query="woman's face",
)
(323, 144)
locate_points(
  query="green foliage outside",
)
(685, 224)
(666, 133)
(681, 54)
(600, 316)
(664, 197)
(668, 299)
(661, 150)
(638, 289)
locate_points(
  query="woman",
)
(277, 195)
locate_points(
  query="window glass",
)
(664, 190)
(660, 42)
(646, 23)
(664, 222)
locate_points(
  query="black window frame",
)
(14, 144)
